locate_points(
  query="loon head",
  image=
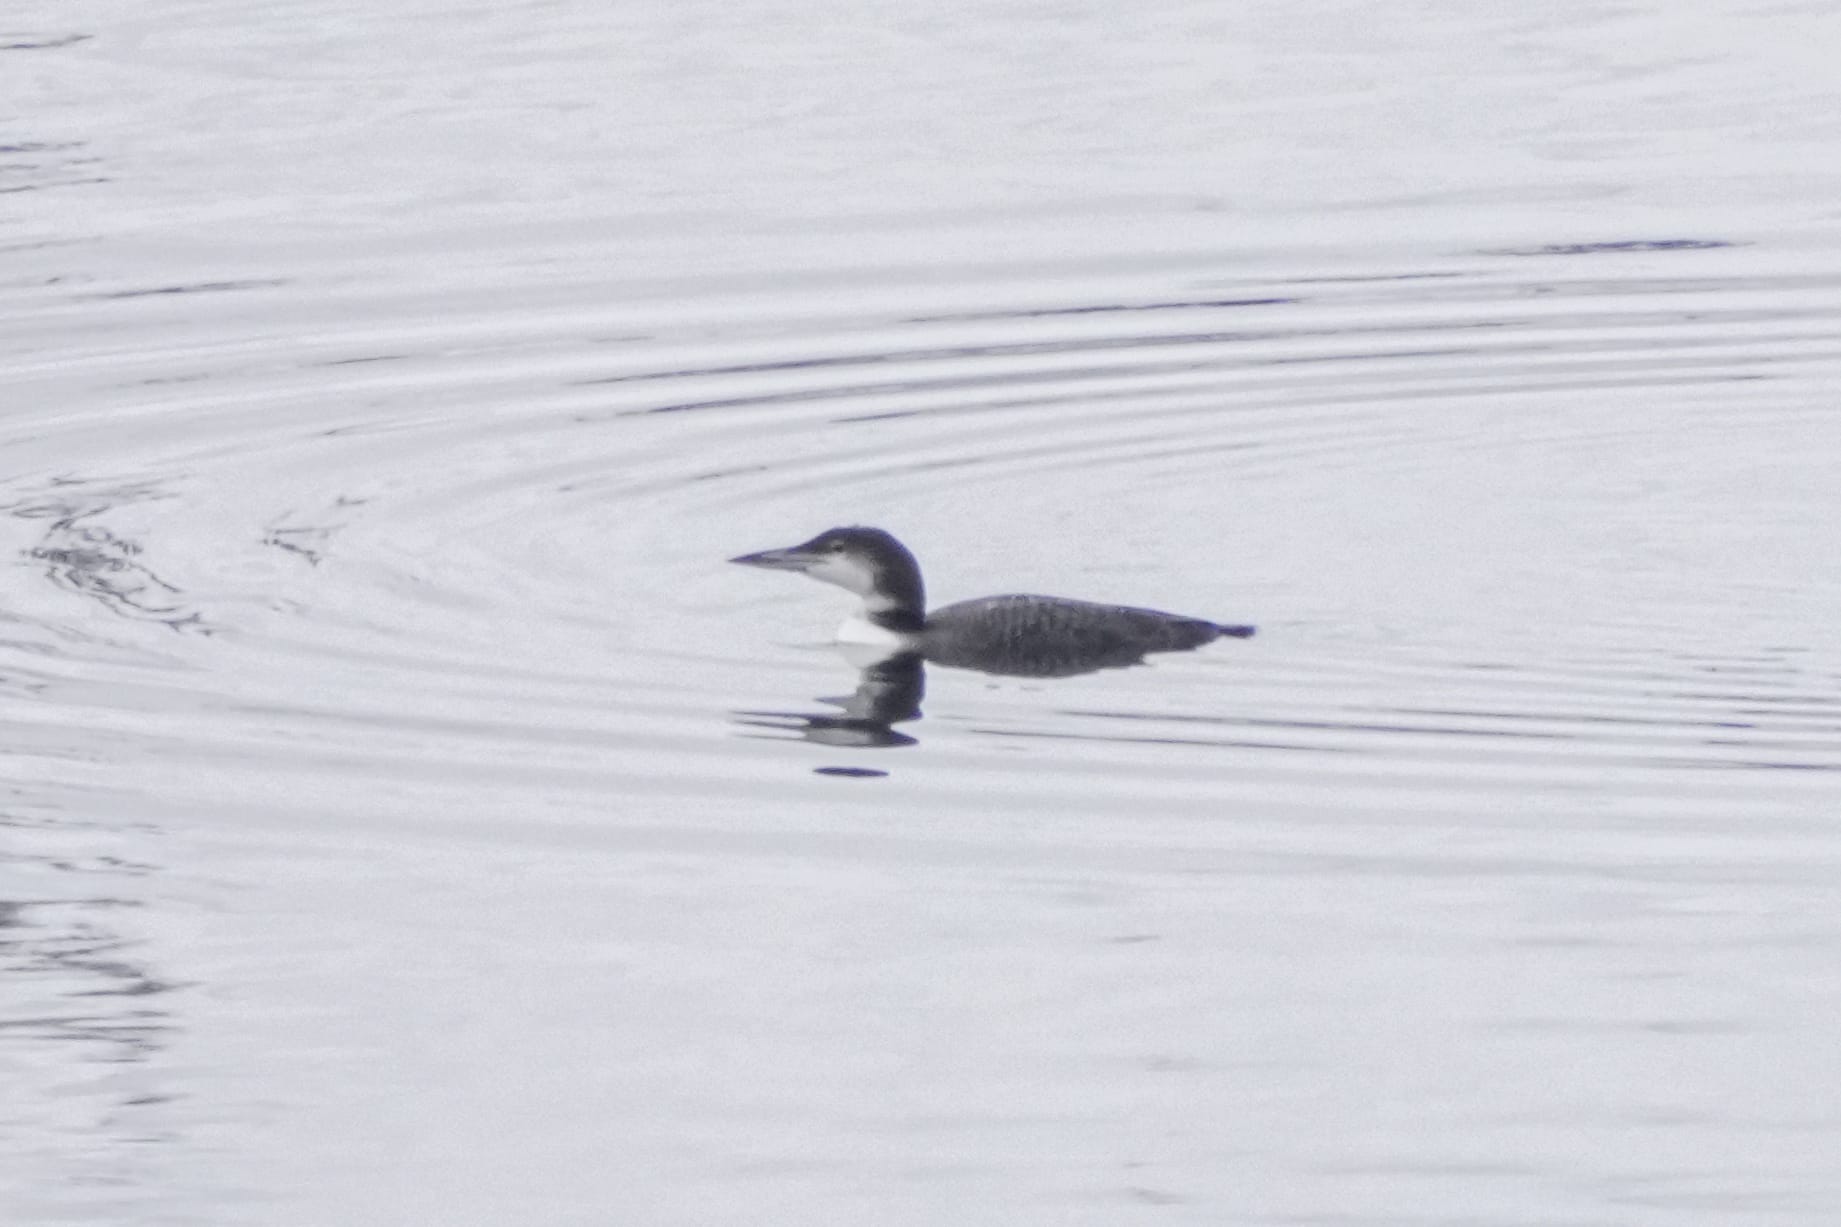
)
(866, 561)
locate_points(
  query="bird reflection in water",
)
(890, 687)
(888, 693)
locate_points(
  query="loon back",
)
(1019, 635)
(1024, 635)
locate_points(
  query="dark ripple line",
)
(1088, 452)
(49, 184)
(1647, 761)
(852, 391)
(1670, 344)
(44, 42)
(1355, 726)
(1620, 721)
(967, 317)
(1017, 349)
(202, 287)
(1064, 374)
(1617, 247)
(1200, 742)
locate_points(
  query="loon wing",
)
(1022, 635)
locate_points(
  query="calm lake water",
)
(410, 818)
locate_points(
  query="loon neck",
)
(889, 616)
(879, 633)
(896, 600)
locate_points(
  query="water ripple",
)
(476, 522)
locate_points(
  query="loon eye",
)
(836, 547)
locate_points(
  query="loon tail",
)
(1237, 631)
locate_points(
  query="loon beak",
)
(789, 559)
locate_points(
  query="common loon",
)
(1018, 635)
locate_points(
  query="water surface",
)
(393, 831)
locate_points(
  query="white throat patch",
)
(859, 631)
(846, 571)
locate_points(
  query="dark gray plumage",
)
(1019, 635)
(1044, 636)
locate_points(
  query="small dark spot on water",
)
(1153, 1197)
(855, 773)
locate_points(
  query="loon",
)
(1018, 635)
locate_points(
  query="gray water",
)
(391, 832)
